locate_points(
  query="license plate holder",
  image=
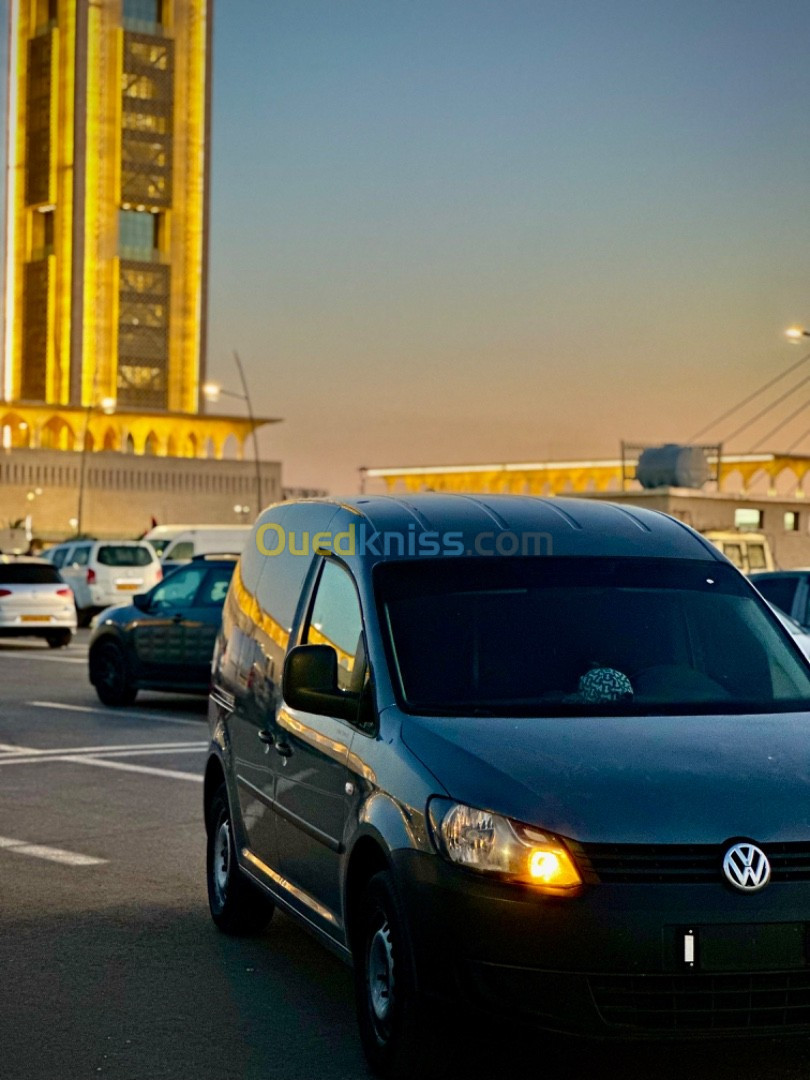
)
(730, 947)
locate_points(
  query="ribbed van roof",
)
(563, 526)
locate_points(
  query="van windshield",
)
(584, 636)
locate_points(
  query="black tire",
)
(110, 676)
(399, 1037)
(59, 639)
(236, 904)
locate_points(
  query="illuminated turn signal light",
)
(553, 866)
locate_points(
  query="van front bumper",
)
(612, 960)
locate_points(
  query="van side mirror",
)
(310, 683)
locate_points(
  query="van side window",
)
(336, 620)
(283, 545)
(81, 556)
(183, 550)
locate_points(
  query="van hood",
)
(663, 779)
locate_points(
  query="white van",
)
(103, 573)
(204, 540)
(162, 535)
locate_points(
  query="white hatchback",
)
(103, 573)
(35, 601)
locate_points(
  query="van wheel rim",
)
(222, 858)
(381, 976)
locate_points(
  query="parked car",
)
(788, 590)
(104, 572)
(204, 540)
(35, 601)
(511, 757)
(164, 640)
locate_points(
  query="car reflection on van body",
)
(568, 787)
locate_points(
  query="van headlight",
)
(484, 841)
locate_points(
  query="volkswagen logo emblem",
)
(746, 866)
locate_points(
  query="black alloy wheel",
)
(109, 675)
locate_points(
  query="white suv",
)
(102, 573)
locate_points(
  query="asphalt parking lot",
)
(110, 964)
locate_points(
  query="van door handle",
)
(284, 749)
(266, 736)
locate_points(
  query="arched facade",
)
(761, 474)
(157, 434)
(16, 431)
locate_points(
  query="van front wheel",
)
(398, 1037)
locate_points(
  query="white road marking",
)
(40, 654)
(18, 753)
(30, 751)
(174, 774)
(197, 748)
(44, 656)
(116, 713)
(104, 763)
(40, 851)
(90, 756)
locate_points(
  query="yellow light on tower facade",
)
(107, 405)
(106, 263)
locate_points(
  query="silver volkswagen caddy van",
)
(545, 759)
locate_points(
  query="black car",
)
(165, 639)
(540, 759)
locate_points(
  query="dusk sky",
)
(450, 231)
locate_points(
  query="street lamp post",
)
(796, 333)
(213, 391)
(107, 406)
